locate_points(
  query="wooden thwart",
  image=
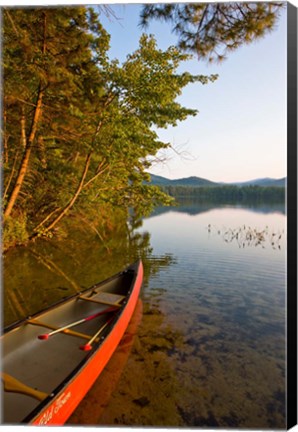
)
(105, 298)
(66, 331)
(11, 384)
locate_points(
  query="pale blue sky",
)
(240, 131)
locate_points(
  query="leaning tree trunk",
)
(28, 143)
(68, 206)
(25, 161)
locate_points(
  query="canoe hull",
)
(58, 408)
(67, 400)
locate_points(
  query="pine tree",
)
(212, 30)
(52, 59)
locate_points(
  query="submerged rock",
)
(142, 401)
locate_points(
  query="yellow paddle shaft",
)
(13, 385)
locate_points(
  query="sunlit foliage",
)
(78, 128)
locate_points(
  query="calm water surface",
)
(209, 349)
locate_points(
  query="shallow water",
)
(209, 350)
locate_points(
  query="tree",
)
(51, 58)
(212, 30)
(145, 86)
(77, 127)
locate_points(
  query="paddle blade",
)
(43, 337)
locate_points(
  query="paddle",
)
(61, 329)
(88, 345)
(13, 385)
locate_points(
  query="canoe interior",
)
(44, 364)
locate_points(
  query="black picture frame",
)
(291, 383)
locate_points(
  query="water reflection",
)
(195, 207)
(212, 340)
(193, 371)
(49, 270)
(210, 349)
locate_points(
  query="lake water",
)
(209, 347)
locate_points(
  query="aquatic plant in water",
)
(247, 236)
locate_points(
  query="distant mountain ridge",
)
(188, 181)
(201, 182)
(265, 182)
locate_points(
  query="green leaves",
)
(212, 30)
(148, 84)
(89, 106)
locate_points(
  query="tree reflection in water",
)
(48, 270)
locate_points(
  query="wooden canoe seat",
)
(105, 298)
(66, 331)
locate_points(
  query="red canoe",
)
(50, 360)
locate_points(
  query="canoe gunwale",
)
(48, 401)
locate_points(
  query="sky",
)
(240, 131)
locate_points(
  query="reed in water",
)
(247, 236)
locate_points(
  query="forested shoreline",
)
(229, 193)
